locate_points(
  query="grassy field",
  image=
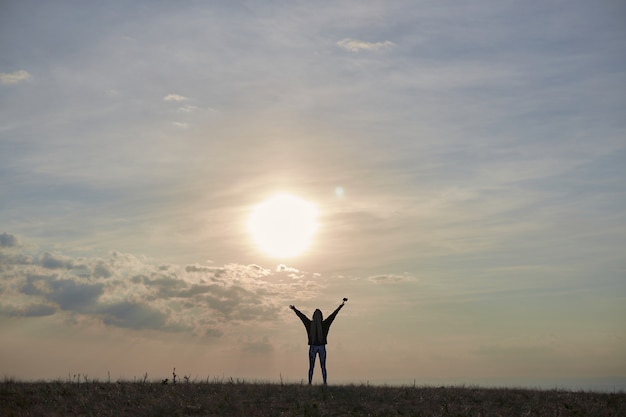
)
(235, 398)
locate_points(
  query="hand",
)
(292, 307)
(344, 300)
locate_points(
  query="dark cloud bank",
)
(126, 291)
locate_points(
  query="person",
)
(317, 330)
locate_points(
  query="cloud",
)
(47, 260)
(8, 241)
(130, 292)
(390, 279)
(76, 296)
(102, 270)
(38, 310)
(133, 315)
(285, 268)
(69, 294)
(33, 310)
(356, 45)
(13, 77)
(174, 97)
(198, 268)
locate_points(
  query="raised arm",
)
(305, 320)
(330, 318)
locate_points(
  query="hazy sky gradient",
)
(480, 147)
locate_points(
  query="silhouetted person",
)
(317, 330)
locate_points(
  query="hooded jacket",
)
(316, 339)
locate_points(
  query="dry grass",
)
(237, 398)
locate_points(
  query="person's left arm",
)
(330, 318)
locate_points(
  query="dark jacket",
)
(313, 338)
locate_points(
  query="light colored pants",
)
(313, 352)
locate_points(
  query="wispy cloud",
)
(14, 77)
(390, 279)
(174, 97)
(356, 45)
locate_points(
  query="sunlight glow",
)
(283, 226)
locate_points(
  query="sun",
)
(283, 226)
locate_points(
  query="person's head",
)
(317, 316)
(316, 324)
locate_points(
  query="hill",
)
(237, 398)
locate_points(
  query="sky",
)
(466, 160)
